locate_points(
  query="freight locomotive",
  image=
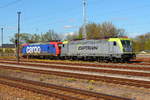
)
(112, 49)
(41, 50)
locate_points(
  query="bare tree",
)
(104, 30)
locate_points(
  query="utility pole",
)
(17, 40)
(2, 29)
(84, 19)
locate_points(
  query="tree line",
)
(142, 43)
(35, 38)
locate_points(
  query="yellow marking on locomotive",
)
(118, 40)
(65, 42)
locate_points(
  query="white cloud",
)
(68, 27)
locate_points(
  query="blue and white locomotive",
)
(41, 50)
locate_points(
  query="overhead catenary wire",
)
(10, 3)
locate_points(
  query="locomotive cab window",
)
(115, 43)
(126, 43)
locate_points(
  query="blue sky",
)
(65, 16)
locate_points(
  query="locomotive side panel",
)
(90, 48)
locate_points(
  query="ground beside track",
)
(143, 55)
(10, 93)
(113, 89)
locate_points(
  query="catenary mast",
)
(84, 19)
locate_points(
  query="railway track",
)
(80, 75)
(134, 62)
(134, 71)
(104, 65)
(52, 90)
(143, 59)
(111, 65)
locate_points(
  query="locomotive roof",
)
(40, 43)
(98, 41)
(87, 41)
